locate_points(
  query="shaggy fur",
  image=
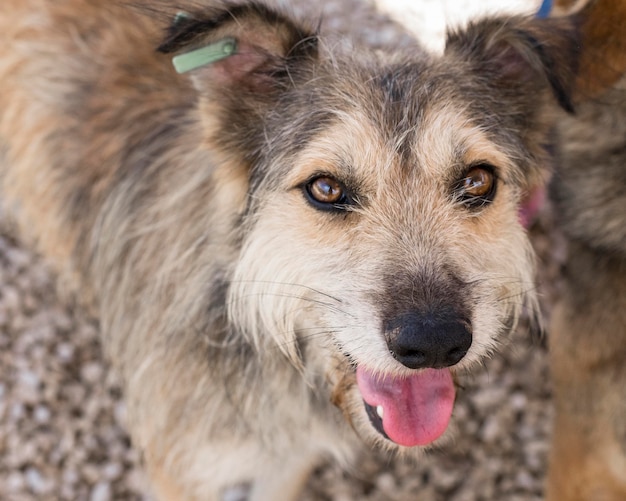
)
(236, 306)
(588, 331)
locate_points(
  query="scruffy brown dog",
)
(588, 331)
(293, 250)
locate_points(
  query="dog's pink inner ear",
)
(250, 66)
(511, 62)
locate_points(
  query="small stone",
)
(92, 372)
(112, 471)
(15, 482)
(41, 414)
(36, 481)
(101, 492)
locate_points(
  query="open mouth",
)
(410, 410)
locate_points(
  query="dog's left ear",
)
(522, 55)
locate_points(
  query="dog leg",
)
(286, 481)
(588, 349)
(168, 488)
(226, 472)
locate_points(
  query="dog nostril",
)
(455, 355)
(410, 358)
(419, 342)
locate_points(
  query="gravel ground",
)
(62, 416)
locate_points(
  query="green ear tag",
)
(205, 55)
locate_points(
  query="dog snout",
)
(419, 340)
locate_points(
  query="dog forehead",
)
(451, 137)
(362, 146)
(376, 122)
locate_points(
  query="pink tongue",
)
(416, 409)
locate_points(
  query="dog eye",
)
(478, 186)
(326, 193)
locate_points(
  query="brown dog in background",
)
(588, 331)
(292, 251)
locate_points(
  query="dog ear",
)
(265, 45)
(603, 58)
(521, 55)
(241, 60)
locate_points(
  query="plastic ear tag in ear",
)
(205, 55)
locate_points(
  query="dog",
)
(292, 246)
(588, 329)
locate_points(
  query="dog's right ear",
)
(264, 52)
(522, 56)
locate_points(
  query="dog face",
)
(388, 260)
(379, 197)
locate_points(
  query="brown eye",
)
(326, 193)
(478, 186)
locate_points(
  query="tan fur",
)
(604, 58)
(588, 330)
(234, 308)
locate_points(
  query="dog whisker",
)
(517, 294)
(328, 306)
(288, 284)
(323, 332)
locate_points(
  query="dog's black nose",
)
(419, 341)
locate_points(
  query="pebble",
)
(14, 482)
(41, 414)
(92, 372)
(65, 352)
(101, 492)
(36, 481)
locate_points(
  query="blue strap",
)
(544, 10)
